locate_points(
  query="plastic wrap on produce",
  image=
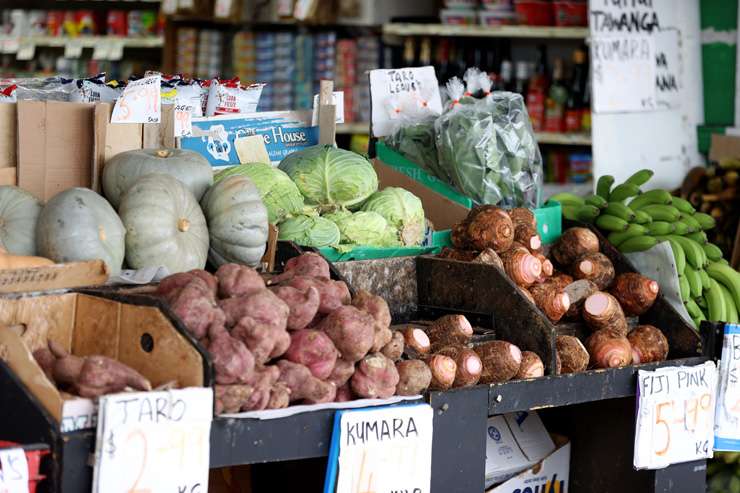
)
(488, 149)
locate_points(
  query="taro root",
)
(450, 329)
(648, 343)
(531, 367)
(577, 293)
(443, 369)
(595, 267)
(636, 293)
(551, 299)
(501, 361)
(469, 365)
(572, 355)
(522, 267)
(602, 311)
(608, 349)
(574, 243)
(416, 340)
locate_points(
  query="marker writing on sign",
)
(152, 410)
(681, 379)
(637, 16)
(13, 472)
(366, 431)
(402, 81)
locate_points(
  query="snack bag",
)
(230, 96)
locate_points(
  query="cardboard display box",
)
(550, 475)
(8, 143)
(57, 276)
(135, 333)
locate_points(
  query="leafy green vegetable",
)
(416, 143)
(402, 210)
(313, 231)
(487, 149)
(331, 178)
(365, 228)
(278, 192)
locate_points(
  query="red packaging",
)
(536, 108)
(573, 14)
(573, 119)
(534, 13)
(116, 22)
(33, 458)
(54, 22)
(554, 117)
(86, 22)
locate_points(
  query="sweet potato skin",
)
(332, 294)
(303, 305)
(303, 385)
(394, 349)
(230, 398)
(375, 377)
(232, 361)
(376, 307)
(342, 372)
(238, 280)
(309, 264)
(414, 377)
(313, 349)
(351, 330)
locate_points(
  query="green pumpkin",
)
(164, 225)
(19, 212)
(122, 170)
(237, 222)
(78, 224)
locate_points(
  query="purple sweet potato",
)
(341, 373)
(313, 349)
(232, 361)
(414, 377)
(344, 394)
(351, 330)
(279, 396)
(303, 385)
(376, 377)
(238, 280)
(231, 398)
(378, 309)
(262, 306)
(332, 294)
(101, 375)
(263, 380)
(309, 264)
(394, 349)
(303, 305)
(194, 305)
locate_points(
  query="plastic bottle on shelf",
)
(574, 107)
(537, 90)
(556, 100)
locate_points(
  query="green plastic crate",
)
(549, 217)
(440, 239)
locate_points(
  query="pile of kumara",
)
(300, 337)
(578, 284)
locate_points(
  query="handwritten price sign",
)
(183, 120)
(140, 102)
(13, 471)
(380, 450)
(675, 417)
(727, 415)
(154, 441)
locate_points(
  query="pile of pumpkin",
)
(162, 209)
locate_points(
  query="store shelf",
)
(86, 41)
(402, 29)
(572, 139)
(77, 4)
(549, 189)
(353, 128)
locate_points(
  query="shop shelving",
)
(409, 29)
(86, 41)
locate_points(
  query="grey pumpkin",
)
(19, 213)
(237, 222)
(78, 224)
(164, 225)
(122, 170)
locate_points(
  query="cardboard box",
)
(58, 276)
(55, 146)
(514, 442)
(89, 325)
(440, 210)
(724, 147)
(8, 143)
(550, 475)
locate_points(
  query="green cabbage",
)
(331, 178)
(278, 192)
(366, 228)
(313, 231)
(403, 211)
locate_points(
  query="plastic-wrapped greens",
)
(487, 148)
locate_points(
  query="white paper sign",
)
(14, 473)
(623, 68)
(386, 449)
(154, 441)
(402, 87)
(675, 415)
(727, 413)
(183, 119)
(140, 102)
(337, 100)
